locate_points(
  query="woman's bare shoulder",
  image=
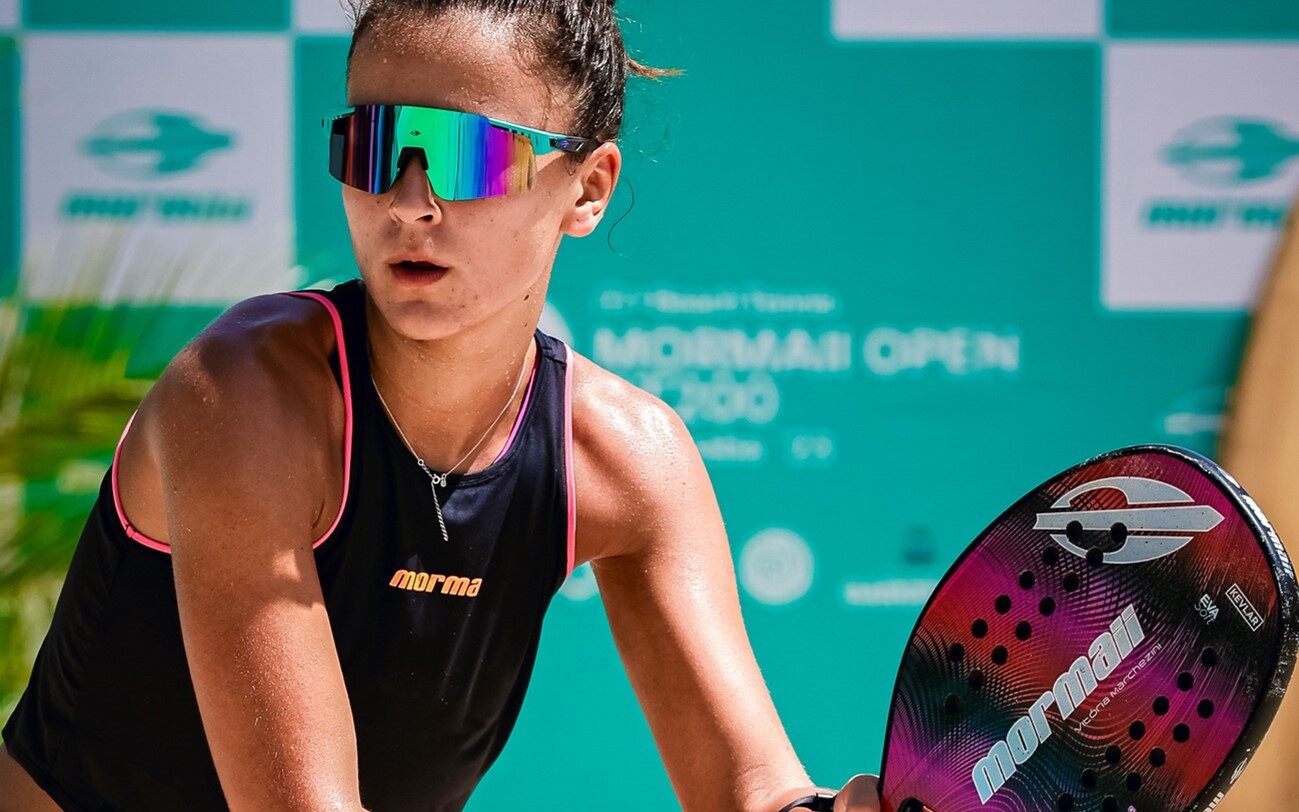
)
(255, 386)
(281, 332)
(263, 353)
(625, 441)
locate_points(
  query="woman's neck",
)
(444, 393)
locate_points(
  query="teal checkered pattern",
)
(1207, 19)
(157, 15)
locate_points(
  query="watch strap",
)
(817, 802)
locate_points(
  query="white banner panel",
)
(964, 19)
(8, 13)
(1201, 161)
(322, 16)
(156, 167)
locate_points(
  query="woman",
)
(316, 574)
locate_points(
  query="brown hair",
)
(578, 41)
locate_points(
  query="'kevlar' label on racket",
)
(1116, 641)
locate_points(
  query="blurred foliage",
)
(74, 365)
(64, 397)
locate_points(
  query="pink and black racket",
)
(1116, 641)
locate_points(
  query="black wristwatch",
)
(818, 802)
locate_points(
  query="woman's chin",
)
(421, 321)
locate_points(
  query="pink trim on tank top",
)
(131, 532)
(154, 544)
(568, 457)
(523, 409)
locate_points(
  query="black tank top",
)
(437, 642)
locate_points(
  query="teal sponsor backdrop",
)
(1209, 19)
(320, 86)
(162, 15)
(868, 274)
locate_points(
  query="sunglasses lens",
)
(466, 157)
(358, 143)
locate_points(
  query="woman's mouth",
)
(417, 272)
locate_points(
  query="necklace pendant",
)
(440, 479)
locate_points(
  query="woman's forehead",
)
(456, 61)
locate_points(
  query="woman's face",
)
(498, 250)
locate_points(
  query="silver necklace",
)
(436, 478)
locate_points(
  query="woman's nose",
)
(413, 198)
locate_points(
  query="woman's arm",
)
(663, 565)
(241, 428)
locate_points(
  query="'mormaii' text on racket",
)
(1070, 690)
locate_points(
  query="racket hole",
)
(1088, 779)
(979, 628)
(1205, 708)
(1160, 707)
(1064, 803)
(1073, 531)
(1182, 733)
(1119, 532)
(1209, 657)
(952, 705)
(1185, 681)
(1000, 655)
(1113, 755)
(1137, 729)
(1158, 757)
(1023, 630)
(1070, 582)
(956, 652)
(911, 805)
(1027, 579)
(1050, 555)
(1046, 606)
(1133, 783)
(976, 679)
(1095, 557)
(1002, 604)
(1109, 804)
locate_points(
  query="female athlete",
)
(315, 576)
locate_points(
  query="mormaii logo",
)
(148, 144)
(1231, 151)
(1153, 507)
(1070, 690)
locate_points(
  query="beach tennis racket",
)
(1117, 641)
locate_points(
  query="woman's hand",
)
(860, 794)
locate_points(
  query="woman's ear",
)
(596, 178)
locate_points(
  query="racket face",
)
(1118, 640)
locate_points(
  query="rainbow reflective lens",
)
(467, 156)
